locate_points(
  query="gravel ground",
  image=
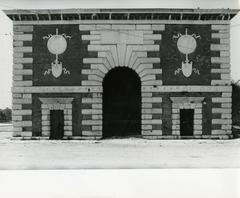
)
(116, 153)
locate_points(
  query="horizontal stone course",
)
(22, 37)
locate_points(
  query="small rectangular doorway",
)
(57, 124)
(186, 122)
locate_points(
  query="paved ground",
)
(117, 153)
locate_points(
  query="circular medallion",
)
(57, 44)
(186, 44)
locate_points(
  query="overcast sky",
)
(6, 27)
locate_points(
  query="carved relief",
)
(57, 44)
(186, 44)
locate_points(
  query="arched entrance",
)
(121, 103)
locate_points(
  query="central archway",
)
(121, 103)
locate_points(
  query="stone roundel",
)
(186, 44)
(57, 44)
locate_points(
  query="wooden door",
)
(57, 124)
(186, 122)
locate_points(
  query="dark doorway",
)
(186, 122)
(121, 103)
(57, 124)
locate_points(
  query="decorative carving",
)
(186, 44)
(57, 44)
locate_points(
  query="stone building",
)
(98, 73)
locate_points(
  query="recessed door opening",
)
(56, 124)
(121, 103)
(186, 122)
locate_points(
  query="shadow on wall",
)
(236, 107)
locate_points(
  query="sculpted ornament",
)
(56, 45)
(186, 44)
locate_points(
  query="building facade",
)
(98, 73)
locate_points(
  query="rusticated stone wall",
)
(94, 49)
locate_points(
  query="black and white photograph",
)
(98, 85)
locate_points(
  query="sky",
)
(6, 27)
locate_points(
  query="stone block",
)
(22, 123)
(158, 27)
(196, 122)
(146, 105)
(222, 71)
(226, 77)
(16, 106)
(146, 95)
(17, 66)
(22, 49)
(90, 83)
(91, 133)
(68, 128)
(226, 126)
(23, 72)
(45, 132)
(87, 27)
(224, 53)
(17, 43)
(153, 121)
(123, 26)
(152, 82)
(222, 100)
(68, 122)
(91, 122)
(143, 27)
(17, 78)
(226, 116)
(176, 122)
(227, 95)
(18, 54)
(152, 100)
(22, 83)
(219, 47)
(221, 121)
(91, 111)
(97, 127)
(197, 132)
(220, 27)
(22, 112)
(17, 118)
(146, 116)
(26, 133)
(148, 42)
(197, 126)
(151, 132)
(225, 66)
(96, 106)
(220, 132)
(225, 41)
(220, 35)
(146, 127)
(97, 117)
(220, 82)
(22, 37)
(220, 59)
(23, 28)
(91, 37)
(103, 26)
(222, 110)
(152, 36)
(68, 133)
(148, 77)
(175, 127)
(45, 122)
(152, 111)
